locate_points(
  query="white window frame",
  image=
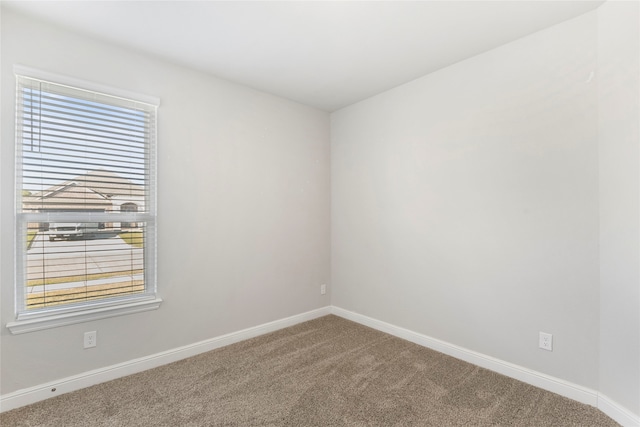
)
(56, 316)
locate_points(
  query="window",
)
(85, 211)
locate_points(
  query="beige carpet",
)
(326, 372)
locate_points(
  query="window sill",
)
(56, 320)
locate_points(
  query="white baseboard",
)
(616, 412)
(564, 388)
(538, 379)
(65, 385)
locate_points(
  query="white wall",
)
(619, 154)
(243, 207)
(465, 203)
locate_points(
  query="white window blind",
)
(85, 198)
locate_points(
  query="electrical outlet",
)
(90, 339)
(323, 289)
(546, 341)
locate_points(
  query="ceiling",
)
(325, 54)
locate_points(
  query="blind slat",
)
(66, 139)
(65, 130)
(33, 102)
(71, 145)
(96, 164)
